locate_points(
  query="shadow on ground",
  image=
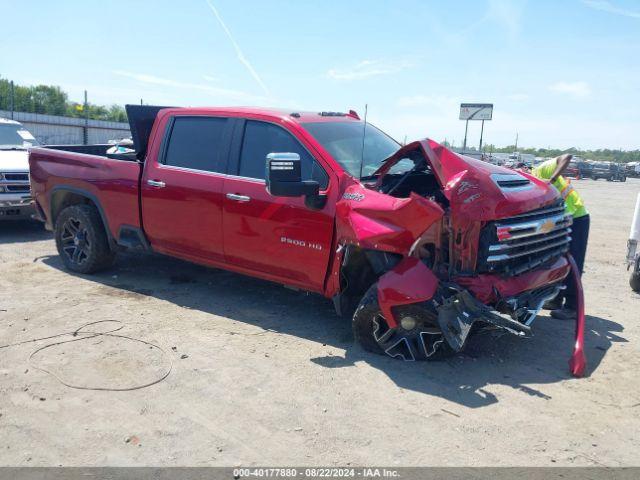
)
(22, 231)
(487, 359)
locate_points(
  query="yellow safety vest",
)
(572, 201)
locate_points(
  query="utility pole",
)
(85, 131)
(13, 99)
(516, 142)
(466, 127)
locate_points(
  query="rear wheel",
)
(417, 337)
(81, 239)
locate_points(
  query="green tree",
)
(51, 100)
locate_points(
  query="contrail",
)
(239, 53)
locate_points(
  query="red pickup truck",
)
(420, 245)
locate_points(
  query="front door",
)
(280, 237)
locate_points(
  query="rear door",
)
(280, 237)
(182, 188)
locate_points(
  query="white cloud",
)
(607, 6)
(233, 95)
(239, 53)
(369, 68)
(573, 89)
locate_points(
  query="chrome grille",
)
(14, 183)
(17, 188)
(514, 245)
(16, 177)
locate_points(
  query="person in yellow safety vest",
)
(551, 171)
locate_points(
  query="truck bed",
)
(112, 184)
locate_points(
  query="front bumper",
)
(16, 206)
(518, 298)
(491, 288)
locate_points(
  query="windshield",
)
(343, 140)
(13, 136)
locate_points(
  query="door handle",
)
(238, 198)
(156, 183)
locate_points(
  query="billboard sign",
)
(476, 111)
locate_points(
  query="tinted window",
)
(262, 138)
(196, 142)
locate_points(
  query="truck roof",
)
(142, 118)
(299, 116)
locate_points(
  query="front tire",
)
(81, 239)
(417, 337)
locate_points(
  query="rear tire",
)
(422, 342)
(81, 239)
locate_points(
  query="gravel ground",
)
(266, 375)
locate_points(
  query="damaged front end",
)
(452, 245)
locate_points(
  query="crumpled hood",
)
(14, 161)
(477, 189)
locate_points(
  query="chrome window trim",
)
(161, 166)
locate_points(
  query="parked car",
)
(419, 245)
(15, 196)
(573, 169)
(608, 170)
(585, 169)
(632, 169)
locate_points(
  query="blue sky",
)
(560, 73)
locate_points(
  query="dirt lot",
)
(265, 375)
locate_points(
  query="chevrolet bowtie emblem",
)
(547, 226)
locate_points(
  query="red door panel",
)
(277, 236)
(183, 217)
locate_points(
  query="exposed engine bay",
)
(476, 245)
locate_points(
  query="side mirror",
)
(284, 177)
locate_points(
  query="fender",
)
(87, 195)
(378, 221)
(578, 361)
(408, 282)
